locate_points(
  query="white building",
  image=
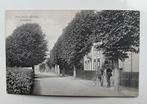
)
(95, 60)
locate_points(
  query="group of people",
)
(104, 74)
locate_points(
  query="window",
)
(98, 60)
(106, 62)
(94, 60)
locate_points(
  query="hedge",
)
(19, 80)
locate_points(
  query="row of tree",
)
(118, 30)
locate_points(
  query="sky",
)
(52, 22)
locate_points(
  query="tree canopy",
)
(75, 40)
(26, 46)
(118, 30)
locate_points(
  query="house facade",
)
(95, 59)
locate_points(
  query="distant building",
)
(95, 60)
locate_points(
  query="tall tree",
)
(120, 34)
(75, 40)
(26, 46)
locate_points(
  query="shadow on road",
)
(45, 76)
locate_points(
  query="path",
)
(51, 84)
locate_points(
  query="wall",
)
(74, 4)
(129, 79)
(131, 63)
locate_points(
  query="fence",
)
(86, 74)
(129, 79)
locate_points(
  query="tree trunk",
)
(33, 68)
(116, 74)
(74, 72)
(63, 72)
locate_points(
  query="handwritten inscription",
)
(27, 17)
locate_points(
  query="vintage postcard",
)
(73, 52)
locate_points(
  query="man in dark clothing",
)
(108, 76)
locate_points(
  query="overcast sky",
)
(52, 22)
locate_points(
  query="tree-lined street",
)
(99, 40)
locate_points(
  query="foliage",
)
(75, 40)
(19, 81)
(26, 46)
(42, 67)
(49, 63)
(119, 32)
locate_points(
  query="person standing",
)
(108, 76)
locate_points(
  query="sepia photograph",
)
(91, 53)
